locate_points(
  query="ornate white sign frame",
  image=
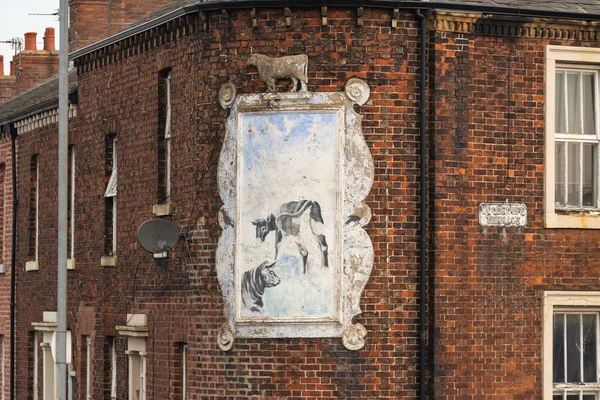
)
(350, 255)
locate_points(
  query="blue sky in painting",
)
(289, 157)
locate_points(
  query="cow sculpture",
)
(288, 67)
(254, 283)
(287, 223)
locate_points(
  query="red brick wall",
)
(33, 67)
(181, 296)
(488, 146)
(5, 252)
(93, 20)
(33, 296)
(7, 87)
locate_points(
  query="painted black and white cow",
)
(288, 223)
(254, 283)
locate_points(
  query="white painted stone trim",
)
(31, 266)
(355, 249)
(108, 261)
(552, 219)
(42, 119)
(161, 210)
(551, 300)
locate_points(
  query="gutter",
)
(15, 202)
(404, 5)
(423, 205)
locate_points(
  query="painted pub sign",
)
(293, 257)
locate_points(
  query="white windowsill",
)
(31, 266)
(576, 220)
(108, 261)
(161, 210)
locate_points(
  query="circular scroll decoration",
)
(227, 94)
(225, 338)
(353, 337)
(357, 90)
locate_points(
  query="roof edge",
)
(410, 5)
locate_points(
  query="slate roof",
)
(582, 7)
(39, 98)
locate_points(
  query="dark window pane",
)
(560, 109)
(588, 104)
(574, 103)
(572, 397)
(589, 397)
(589, 348)
(590, 160)
(559, 173)
(558, 349)
(557, 397)
(573, 348)
(573, 173)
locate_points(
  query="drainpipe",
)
(423, 206)
(15, 202)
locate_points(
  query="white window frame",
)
(114, 210)
(71, 256)
(111, 191)
(165, 208)
(3, 227)
(35, 365)
(136, 332)
(3, 366)
(88, 367)
(557, 302)
(184, 371)
(33, 265)
(168, 140)
(113, 368)
(553, 218)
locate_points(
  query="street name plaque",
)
(503, 214)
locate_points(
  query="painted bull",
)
(287, 223)
(288, 67)
(254, 283)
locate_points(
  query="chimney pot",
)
(49, 39)
(1, 65)
(30, 41)
(12, 69)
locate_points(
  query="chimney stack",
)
(49, 39)
(30, 41)
(1, 65)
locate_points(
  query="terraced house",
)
(408, 207)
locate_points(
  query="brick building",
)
(29, 66)
(505, 122)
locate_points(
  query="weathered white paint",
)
(503, 214)
(343, 178)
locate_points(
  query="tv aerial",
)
(158, 236)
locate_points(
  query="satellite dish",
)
(157, 235)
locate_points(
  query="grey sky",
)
(16, 21)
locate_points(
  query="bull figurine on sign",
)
(288, 67)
